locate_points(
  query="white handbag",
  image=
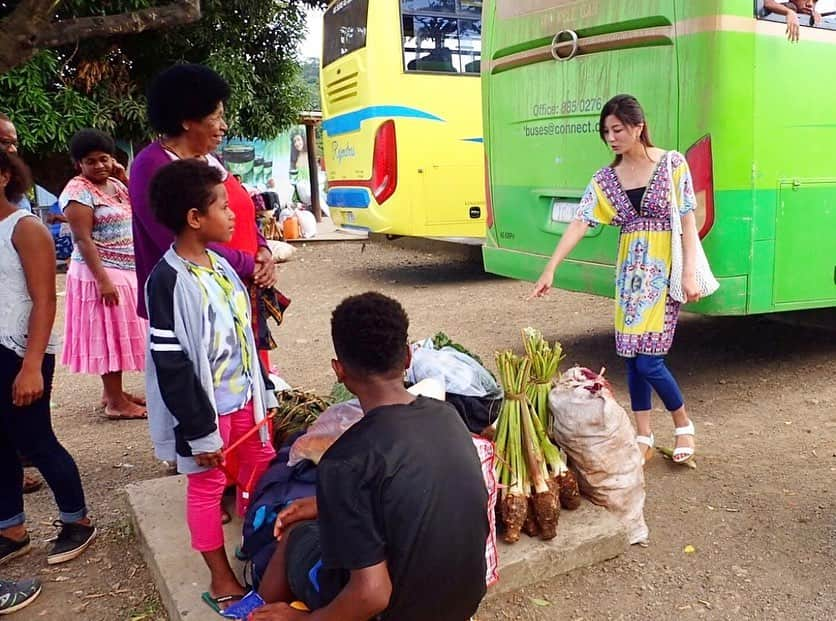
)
(706, 282)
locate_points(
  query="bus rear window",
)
(344, 30)
(442, 36)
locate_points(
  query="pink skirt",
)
(101, 339)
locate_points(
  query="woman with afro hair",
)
(186, 109)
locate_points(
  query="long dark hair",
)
(628, 110)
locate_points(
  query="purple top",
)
(152, 239)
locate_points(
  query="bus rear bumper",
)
(598, 279)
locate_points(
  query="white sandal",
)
(650, 442)
(683, 453)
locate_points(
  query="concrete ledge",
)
(158, 509)
(585, 537)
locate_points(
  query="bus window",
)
(344, 29)
(825, 8)
(438, 37)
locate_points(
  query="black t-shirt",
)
(405, 485)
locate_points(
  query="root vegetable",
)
(570, 496)
(513, 511)
(547, 510)
(530, 526)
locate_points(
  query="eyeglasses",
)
(8, 144)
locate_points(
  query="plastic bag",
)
(333, 422)
(330, 425)
(595, 431)
(307, 223)
(281, 251)
(462, 375)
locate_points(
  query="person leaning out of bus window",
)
(790, 10)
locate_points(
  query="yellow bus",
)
(402, 118)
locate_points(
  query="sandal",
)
(216, 603)
(650, 442)
(683, 454)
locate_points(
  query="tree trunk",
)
(30, 27)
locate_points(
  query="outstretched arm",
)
(793, 25)
(574, 233)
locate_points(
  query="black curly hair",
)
(184, 92)
(181, 186)
(20, 179)
(86, 141)
(370, 333)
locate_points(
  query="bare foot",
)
(137, 399)
(686, 441)
(125, 410)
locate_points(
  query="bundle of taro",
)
(296, 411)
(527, 461)
(545, 362)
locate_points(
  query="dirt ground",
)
(758, 511)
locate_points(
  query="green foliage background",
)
(101, 82)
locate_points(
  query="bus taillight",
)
(488, 201)
(385, 164)
(701, 162)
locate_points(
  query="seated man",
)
(398, 527)
(790, 10)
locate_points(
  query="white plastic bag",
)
(307, 224)
(595, 431)
(281, 251)
(461, 374)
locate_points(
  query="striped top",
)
(112, 234)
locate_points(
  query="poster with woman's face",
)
(268, 164)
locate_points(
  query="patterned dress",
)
(100, 339)
(645, 315)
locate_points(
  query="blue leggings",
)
(649, 372)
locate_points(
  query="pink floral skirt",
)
(101, 339)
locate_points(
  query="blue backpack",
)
(278, 486)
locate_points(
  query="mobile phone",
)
(241, 610)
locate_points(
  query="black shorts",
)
(304, 561)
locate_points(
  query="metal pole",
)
(313, 167)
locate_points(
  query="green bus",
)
(754, 114)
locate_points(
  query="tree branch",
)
(72, 30)
(30, 27)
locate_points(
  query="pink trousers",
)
(205, 489)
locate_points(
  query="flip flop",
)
(113, 415)
(215, 602)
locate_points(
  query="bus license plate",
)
(563, 211)
(348, 217)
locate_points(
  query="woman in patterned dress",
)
(634, 194)
(102, 333)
